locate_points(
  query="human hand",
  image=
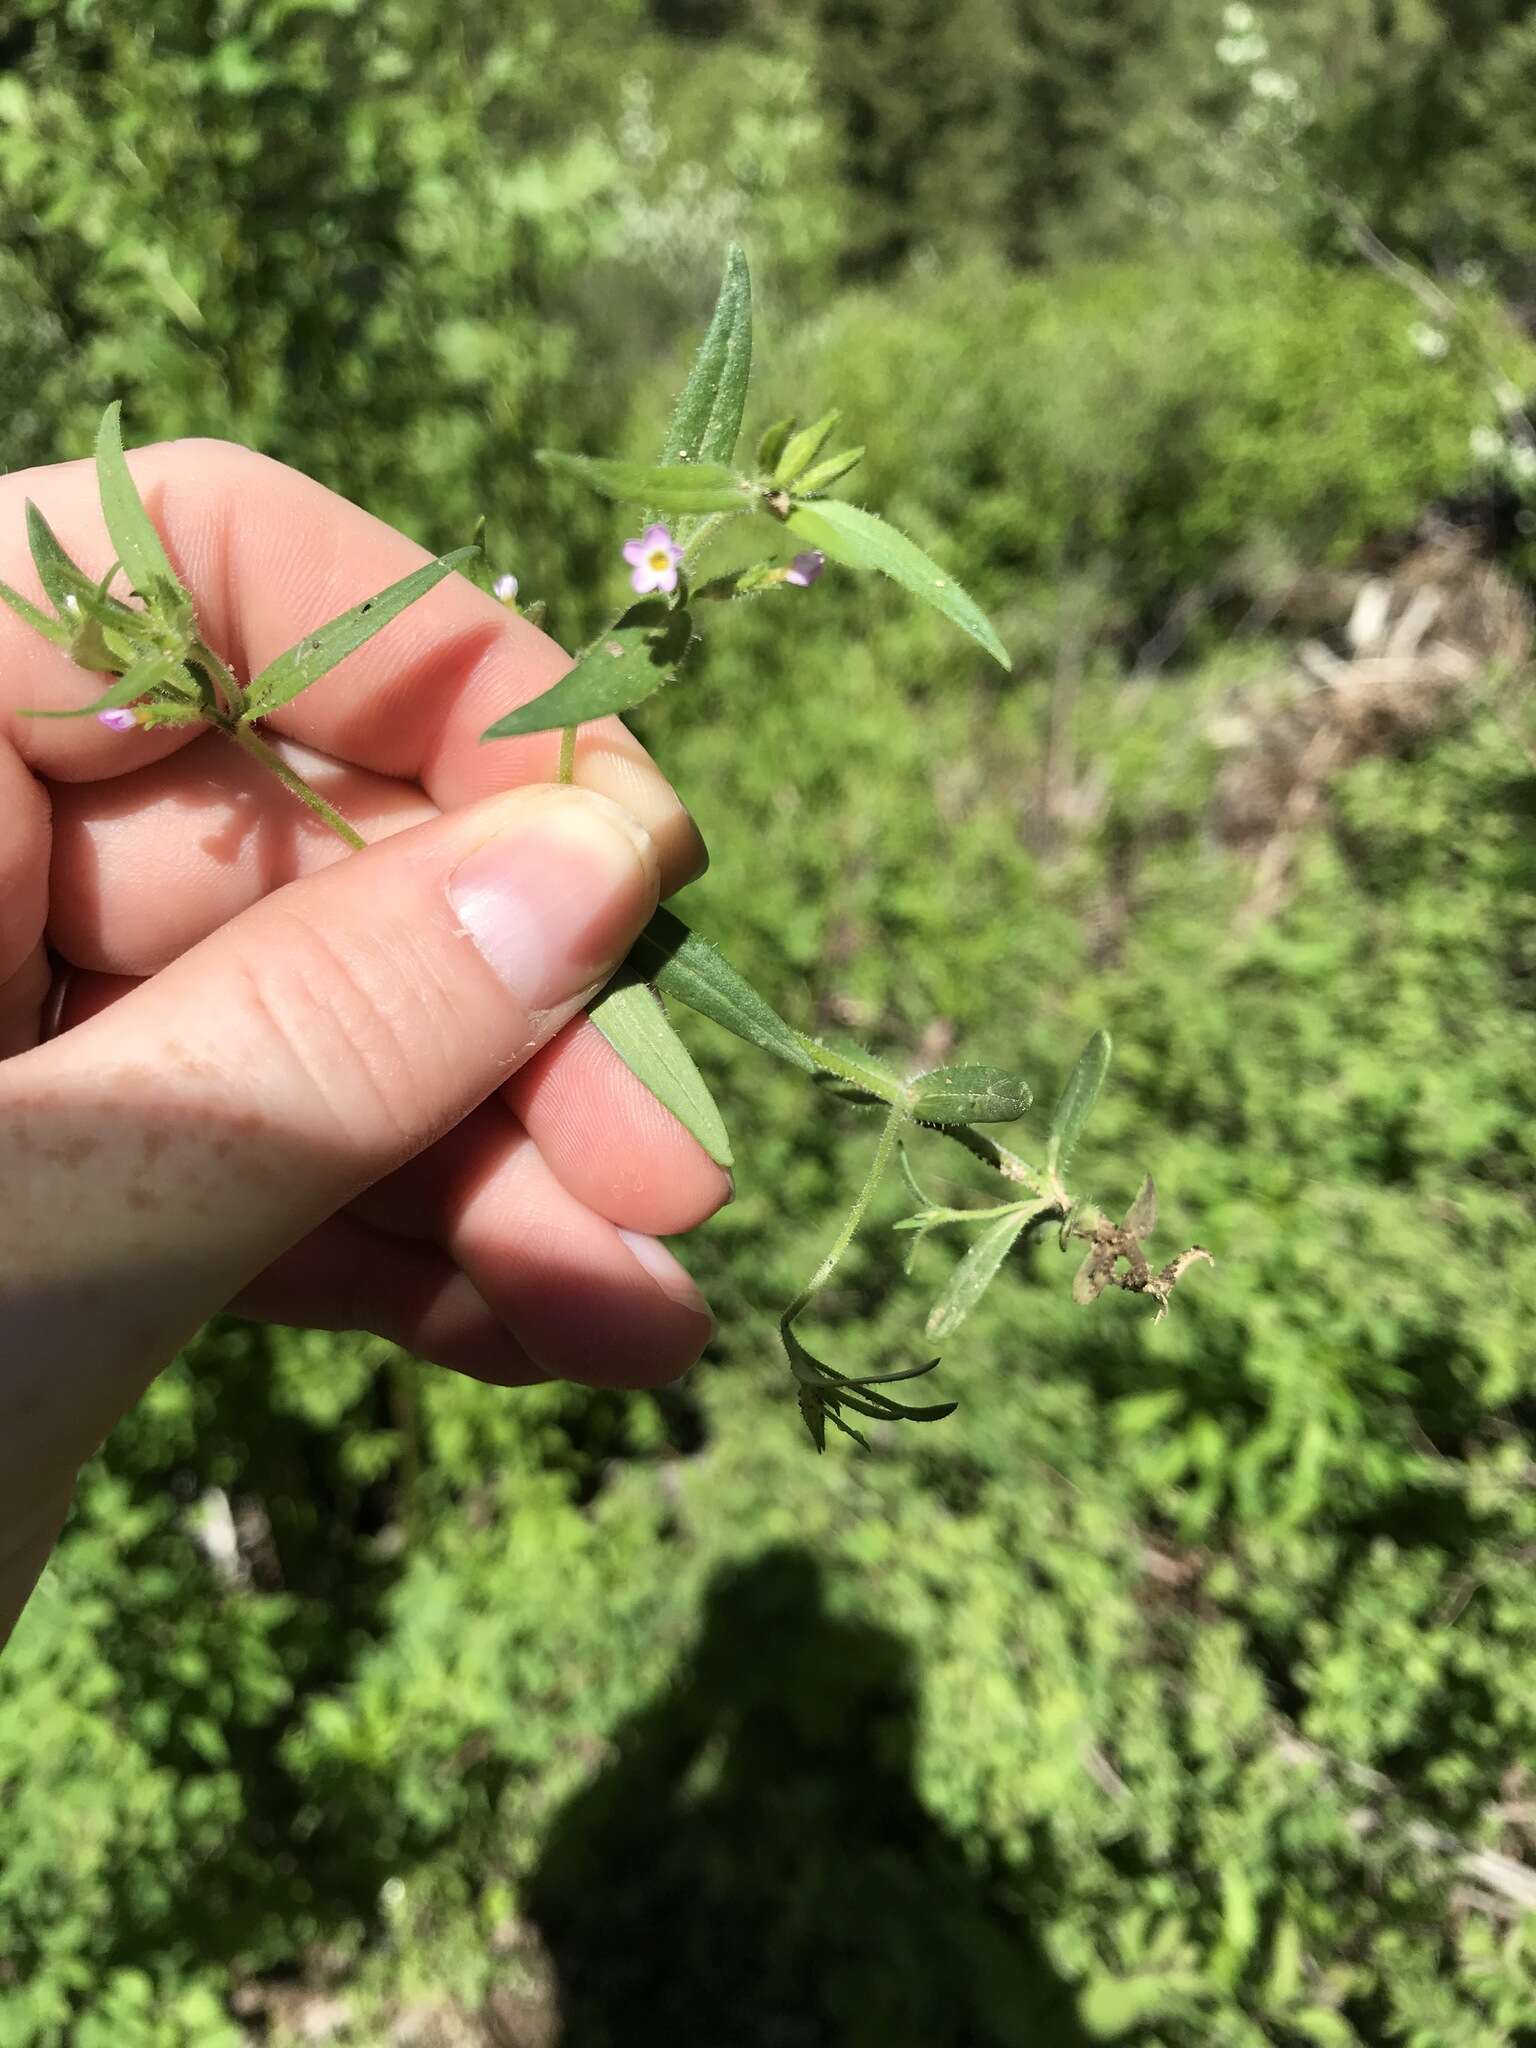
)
(341, 1090)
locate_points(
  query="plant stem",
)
(566, 772)
(254, 745)
(1000, 1159)
(884, 1152)
(702, 535)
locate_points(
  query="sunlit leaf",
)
(771, 446)
(63, 579)
(321, 651)
(137, 682)
(668, 487)
(848, 534)
(621, 668)
(139, 547)
(634, 1023)
(692, 971)
(706, 422)
(1077, 1100)
(827, 473)
(802, 449)
(977, 1270)
(969, 1095)
(40, 622)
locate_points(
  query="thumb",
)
(213, 1117)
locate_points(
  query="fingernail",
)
(674, 1280)
(553, 902)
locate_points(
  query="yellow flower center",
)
(660, 559)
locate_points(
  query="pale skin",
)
(243, 1067)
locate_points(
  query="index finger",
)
(268, 555)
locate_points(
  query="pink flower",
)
(653, 560)
(804, 569)
(120, 720)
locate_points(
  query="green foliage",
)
(1140, 1700)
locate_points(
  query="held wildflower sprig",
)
(166, 673)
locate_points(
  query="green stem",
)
(254, 745)
(832, 1062)
(884, 1152)
(704, 533)
(566, 772)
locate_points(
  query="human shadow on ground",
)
(754, 1869)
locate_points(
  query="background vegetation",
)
(1179, 1690)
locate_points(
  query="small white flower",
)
(505, 587)
(1429, 341)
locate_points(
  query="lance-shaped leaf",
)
(477, 569)
(634, 1023)
(848, 534)
(706, 422)
(692, 971)
(139, 547)
(40, 622)
(1077, 1100)
(63, 579)
(802, 449)
(979, 1268)
(969, 1095)
(319, 652)
(621, 668)
(827, 473)
(143, 677)
(667, 487)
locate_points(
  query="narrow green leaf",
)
(477, 569)
(319, 652)
(1141, 1217)
(848, 534)
(803, 449)
(621, 668)
(634, 1023)
(138, 681)
(139, 547)
(771, 446)
(692, 971)
(1077, 1100)
(669, 487)
(827, 473)
(29, 614)
(976, 1272)
(969, 1095)
(861, 1394)
(706, 422)
(61, 578)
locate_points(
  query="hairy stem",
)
(566, 772)
(884, 1153)
(270, 759)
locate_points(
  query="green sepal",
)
(1077, 1099)
(319, 652)
(621, 668)
(969, 1095)
(706, 421)
(802, 450)
(691, 970)
(848, 534)
(134, 536)
(827, 473)
(632, 1019)
(695, 487)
